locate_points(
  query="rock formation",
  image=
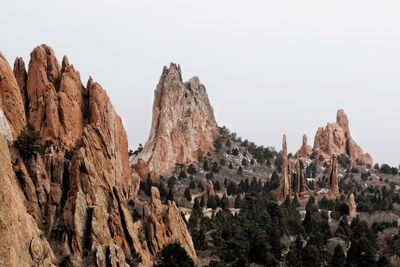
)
(209, 190)
(305, 149)
(183, 125)
(299, 179)
(166, 226)
(284, 189)
(335, 139)
(352, 206)
(333, 181)
(11, 102)
(57, 91)
(74, 202)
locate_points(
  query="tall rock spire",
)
(300, 183)
(284, 185)
(333, 177)
(183, 125)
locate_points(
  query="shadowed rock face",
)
(183, 125)
(335, 139)
(71, 204)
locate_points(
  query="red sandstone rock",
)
(305, 149)
(11, 102)
(336, 139)
(78, 205)
(183, 125)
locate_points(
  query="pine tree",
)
(202, 201)
(170, 195)
(338, 258)
(238, 202)
(28, 142)
(211, 202)
(200, 186)
(192, 184)
(191, 169)
(187, 194)
(224, 202)
(217, 186)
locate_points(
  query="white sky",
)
(270, 67)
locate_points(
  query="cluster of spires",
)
(293, 181)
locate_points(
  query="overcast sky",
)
(270, 67)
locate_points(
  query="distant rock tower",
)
(284, 185)
(299, 179)
(332, 174)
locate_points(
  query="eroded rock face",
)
(73, 201)
(305, 149)
(10, 98)
(335, 139)
(284, 189)
(183, 124)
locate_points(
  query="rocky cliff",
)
(335, 139)
(73, 202)
(183, 125)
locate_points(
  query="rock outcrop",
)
(284, 189)
(74, 202)
(11, 101)
(165, 225)
(333, 181)
(183, 125)
(305, 149)
(56, 91)
(352, 206)
(335, 139)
